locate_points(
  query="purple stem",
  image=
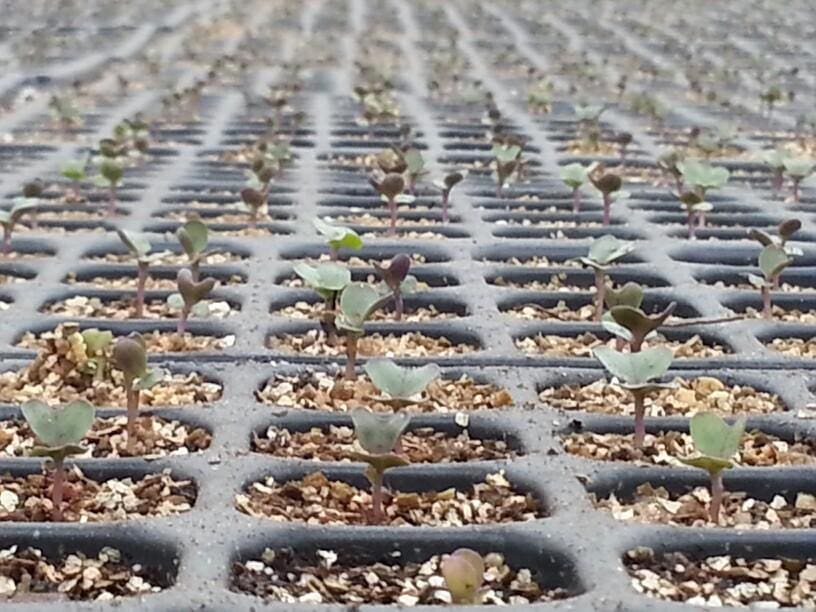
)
(140, 288)
(57, 489)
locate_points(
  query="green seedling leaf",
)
(357, 302)
(715, 440)
(395, 272)
(799, 168)
(761, 237)
(631, 294)
(96, 341)
(635, 369)
(605, 250)
(377, 432)
(704, 176)
(13, 216)
(463, 571)
(137, 244)
(174, 300)
(772, 260)
(756, 281)
(776, 159)
(111, 171)
(74, 170)
(150, 379)
(450, 180)
(415, 162)
(193, 237)
(399, 382)
(338, 237)
(193, 292)
(59, 426)
(574, 175)
(505, 154)
(638, 322)
(325, 278)
(130, 356)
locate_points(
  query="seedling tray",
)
(495, 256)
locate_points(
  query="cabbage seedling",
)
(415, 167)
(463, 571)
(609, 185)
(74, 171)
(403, 386)
(95, 344)
(139, 247)
(702, 177)
(603, 252)
(775, 160)
(60, 431)
(378, 435)
(253, 201)
(328, 280)
(110, 175)
(397, 281)
(636, 372)
(668, 163)
(130, 356)
(445, 185)
(10, 218)
(190, 298)
(337, 237)
(391, 188)
(574, 176)
(633, 325)
(193, 237)
(773, 259)
(695, 207)
(358, 302)
(716, 442)
(508, 160)
(798, 170)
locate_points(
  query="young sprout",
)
(337, 237)
(701, 177)
(446, 185)
(130, 356)
(775, 160)
(539, 97)
(798, 170)
(402, 386)
(716, 442)
(110, 175)
(60, 430)
(695, 207)
(397, 281)
(194, 237)
(668, 162)
(378, 435)
(624, 139)
(391, 188)
(139, 247)
(508, 160)
(255, 202)
(95, 344)
(769, 97)
(358, 302)
(463, 571)
(74, 171)
(636, 372)
(415, 167)
(589, 117)
(574, 176)
(10, 218)
(328, 280)
(633, 325)
(190, 298)
(603, 252)
(609, 185)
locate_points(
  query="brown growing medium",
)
(703, 393)
(581, 346)
(725, 580)
(422, 445)
(326, 391)
(739, 510)
(758, 449)
(155, 341)
(794, 347)
(369, 220)
(314, 312)
(122, 309)
(317, 500)
(26, 575)
(155, 437)
(128, 283)
(167, 258)
(538, 261)
(28, 498)
(808, 317)
(407, 344)
(290, 577)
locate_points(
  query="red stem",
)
(576, 200)
(140, 288)
(376, 498)
(717, 491)
(640, 425)
(796, 190)
(132, 396)
(57, 489)
(351, 357)
(112, 201)
(766, 302)
(399, 305)
(6, 240)
(445, 197)
(607, 208)
(181, 328)
(392, 211)
(691, 225)
(600, 293)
